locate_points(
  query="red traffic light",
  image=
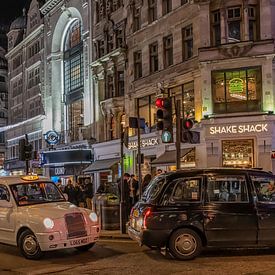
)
(187, 124)
(159, 102)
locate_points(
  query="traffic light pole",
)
(27, 160)
(139, 158)
(122, 195)
(178, 132)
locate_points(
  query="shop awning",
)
(169, 157)
(100, 165)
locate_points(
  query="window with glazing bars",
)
(136, 19)
(216, 28)
(153, 49)
(234, 24)
(168, 50)
(152, 10)
(137, 64)
(166, 6)
(187, 34)
(73, 73)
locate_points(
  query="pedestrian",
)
(70, 190)
(126, 193)
(89, 193)
(159, 172)
(80, 195)
(147, 178)
(59, 184)
(133, 186)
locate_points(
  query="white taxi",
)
(35, 216)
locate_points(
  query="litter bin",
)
(107, 207)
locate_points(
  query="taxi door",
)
(264, 185)
(230, 217)
(7, 223)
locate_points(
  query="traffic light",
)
(22, 144)
(188, 136)
(28, 151)
(25, 150)
(164, 114)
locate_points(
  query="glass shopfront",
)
(237, 90)
(238, 153)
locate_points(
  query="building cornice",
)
(49, 5)
(30, 37)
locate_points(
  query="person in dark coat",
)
(89, 192)
(71, 191)
(126, 179)
(147, 178)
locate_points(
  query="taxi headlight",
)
(93, 217)
(48, 223)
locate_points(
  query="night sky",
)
(11, 9)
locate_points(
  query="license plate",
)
(79, 242)
(136, 213)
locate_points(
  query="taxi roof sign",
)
(30, 177)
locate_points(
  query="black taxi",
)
(188, 210)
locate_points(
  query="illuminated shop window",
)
(73, 79)
(185, 93)
(237, 90)
(147, 110)
(238, 153)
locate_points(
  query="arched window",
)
(73, 79)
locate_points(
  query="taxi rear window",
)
(153, 188)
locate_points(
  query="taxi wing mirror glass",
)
(66, 196)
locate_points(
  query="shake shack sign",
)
(239, 129)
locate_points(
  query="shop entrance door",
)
(238, 153)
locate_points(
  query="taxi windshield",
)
(36, 193)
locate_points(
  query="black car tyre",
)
(85, 247)
(185, 244)
(29, 246)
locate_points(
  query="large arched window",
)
(73, 79)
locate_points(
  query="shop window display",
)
(237, 90)
(238, 153)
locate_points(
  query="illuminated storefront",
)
(231, 142)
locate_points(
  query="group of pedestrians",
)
(131, 189)
(80, 195)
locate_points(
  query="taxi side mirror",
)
(66, 196)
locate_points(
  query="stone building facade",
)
(217, 58)
(25, 77)
(105, 61)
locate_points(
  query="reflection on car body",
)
(187, 210)
(35, 216)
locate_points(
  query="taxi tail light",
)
(146, 214)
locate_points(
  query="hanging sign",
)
(51, 137)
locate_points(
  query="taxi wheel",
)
(86, 247)
(185, 244)
(29, 246)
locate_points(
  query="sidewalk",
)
(113, 234)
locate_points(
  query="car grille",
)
(75, 225)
